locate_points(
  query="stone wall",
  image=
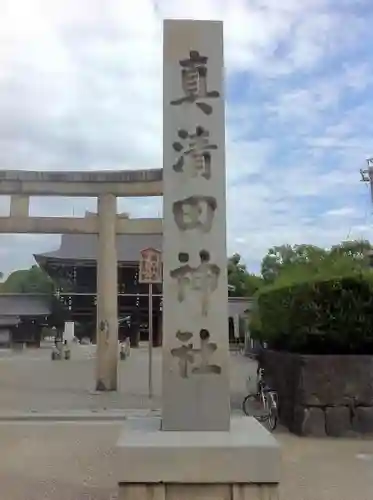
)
(322, 394)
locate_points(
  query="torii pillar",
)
(107, 295)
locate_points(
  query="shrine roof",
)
(85, 246)
(9, 321)
(15, 305)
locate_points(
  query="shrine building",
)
(73, 268)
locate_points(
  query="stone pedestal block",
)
(242, 463)
(200, 491)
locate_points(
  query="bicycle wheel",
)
(254, 406)
(271, 422)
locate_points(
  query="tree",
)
(33, 280)
(244, 283)
(288, 264)
(283, 258)
(358, 250)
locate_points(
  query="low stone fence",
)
(322, 395)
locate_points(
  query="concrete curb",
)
(76, 416)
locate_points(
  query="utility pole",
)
(367, 176)
(367, 173)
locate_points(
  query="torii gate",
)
(106, 186)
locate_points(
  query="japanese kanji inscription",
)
(184, 352)
(203, 278)
(195, 316)
(150, 269)
(206, 351)
(199, 357)
(197, 152)
(195, 212)
(194, 82)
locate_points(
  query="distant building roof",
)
(15, 305)
(238, 306)
(85, 246)
(9, 320)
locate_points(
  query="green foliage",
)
(320, 315)
(316, 300)
(329, 265)
(255, 324)
(244, 283)
(280, 259)
(301, 262)
(33, 280)
(357, 250)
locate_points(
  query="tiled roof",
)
(84, 247)
(23, 305)
(9, 320)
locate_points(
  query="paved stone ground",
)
(30, 381)
(77, 462)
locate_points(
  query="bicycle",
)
(262, 405)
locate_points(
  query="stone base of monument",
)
(240, 464)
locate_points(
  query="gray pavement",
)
(31, 382)
(77, 462)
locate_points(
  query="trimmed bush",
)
(319, 316)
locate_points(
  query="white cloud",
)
(341, 212)
(80, 88)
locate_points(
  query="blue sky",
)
(80, 88)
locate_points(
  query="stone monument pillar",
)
(195, 288)
(196, 450)
(107, 295)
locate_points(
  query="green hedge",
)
(330, 315)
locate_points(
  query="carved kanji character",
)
(203, 278)
(184, 353)
(195, 212)
(194, 82)
(197, 152)
(206, 350)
